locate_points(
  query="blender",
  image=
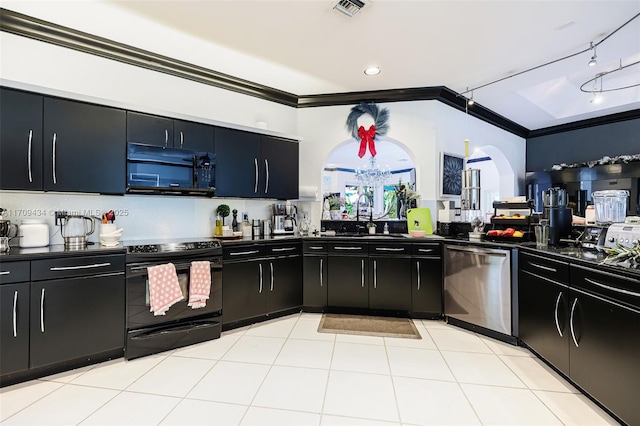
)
(558, 214)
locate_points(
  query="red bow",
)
(366, 137)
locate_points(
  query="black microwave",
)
(158, 170)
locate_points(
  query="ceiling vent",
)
(349, 7)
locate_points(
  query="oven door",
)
(139, 314)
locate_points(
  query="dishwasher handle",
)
(479, 251)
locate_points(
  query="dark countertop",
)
(58, 250)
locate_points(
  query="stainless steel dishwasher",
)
(477, 287)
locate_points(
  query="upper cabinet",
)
(161, 131)
(84, 147)
(60, 145)
(256, 166)
(20, 140)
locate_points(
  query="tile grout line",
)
(326, 387)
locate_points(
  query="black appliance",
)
(181, 325)
(593, 237)
(159, 170)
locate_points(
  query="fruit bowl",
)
(417, 233)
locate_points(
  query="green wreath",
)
(367, 137)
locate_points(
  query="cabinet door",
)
(237, 163)
(544, 318)
(149, 129)
(315, 281)
(279, 164)
(285, 283)
(244, 287)
(14, 328)
(426, 285)
(348, 281)
(604, 348)
(76, 318)
(85, 147)
(194, 136)
(20, 140)
(390, 283)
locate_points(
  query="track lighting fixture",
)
(593, 62)
(471, 101)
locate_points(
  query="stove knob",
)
(611, 239)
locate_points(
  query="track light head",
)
(593, 62)
(470, 102)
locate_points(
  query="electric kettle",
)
(75, 229)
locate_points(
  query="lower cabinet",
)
(73, 318)
(260, 281)
(348, 281)
(426, 280)
(390, 283)
(543, 303)
(14, 328)
(314, 275)
(604, 347)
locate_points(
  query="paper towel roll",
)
(308, 192)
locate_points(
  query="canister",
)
(33, 233)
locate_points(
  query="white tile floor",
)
(283, 372)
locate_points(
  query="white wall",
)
(424, 127)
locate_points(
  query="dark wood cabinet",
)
(20, 140)
(426, 280)
(149, 129)
(238, 163)
(255, 166)
(75, 318)
(258, 281)
(193, 136)
(314, 274)
(543, 304)
(14, 328)
(390, 283)
(84, 147)
(604, 328)
(348, 281)
(280, 166)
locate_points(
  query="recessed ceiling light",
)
(372, 71)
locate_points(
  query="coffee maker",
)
(559, 215)
(283, 222)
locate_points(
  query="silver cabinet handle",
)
(15, 304)
(181, 139)
(375, 274)
(389, 249)
(5, 272)
(418, 271)
(421, 250)
(316, 247)
(266, 166)
(362, 272)
(321, 272)
(555, 314)
(42, 311)
(242, 253)
(284, 249)
(617, 290)
(573, 334)
(166, 138)
(53, 158)
(271, 268)
(71, 268)
(255, 187)
(546, 268)
(347, 248)
(260, 266)
(29, 155)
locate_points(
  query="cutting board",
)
(419, 218)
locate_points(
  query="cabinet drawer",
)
(283, 249)
(614, 287)
(14, 272)
(348, 248)
(390, 249)
(315, 247)
(426, 249)
(249, 251)
(545, 267)
(67, 267)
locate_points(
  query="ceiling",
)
(457, 44)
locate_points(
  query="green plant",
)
(223, 210)
(335, 203)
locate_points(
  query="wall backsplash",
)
(141, 216)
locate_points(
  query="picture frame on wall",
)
(451, 166)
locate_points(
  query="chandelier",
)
(372, 175)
